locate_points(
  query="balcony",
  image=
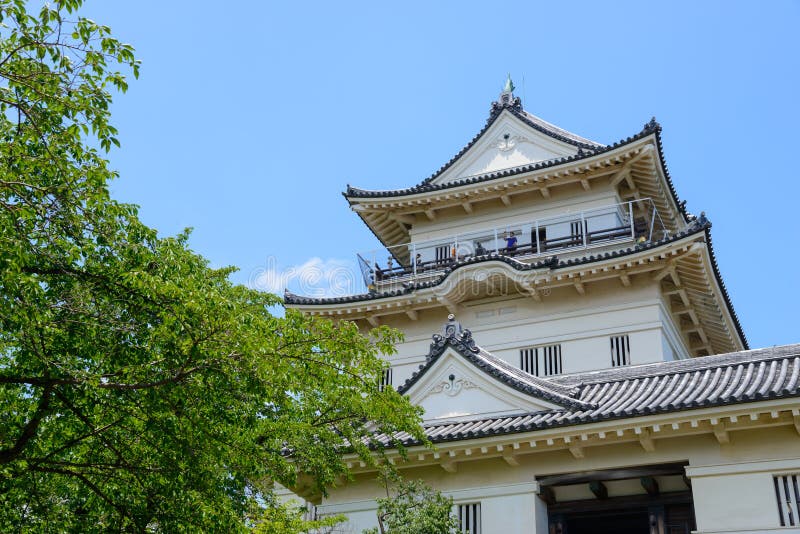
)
(612, 226)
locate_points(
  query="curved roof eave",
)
(723, 289)
(354, 194)
(698, 226)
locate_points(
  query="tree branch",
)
(29, 431)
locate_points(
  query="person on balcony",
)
(511, 242)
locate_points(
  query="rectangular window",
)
(386, 379)
(541, 361)
(442, 254)
(620, 351)
(539, 239)
(787, 493)
(527, 360)
(469, 518)
(576, 231)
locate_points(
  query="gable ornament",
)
(452, 387)
(507, 142)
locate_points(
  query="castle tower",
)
(560, 253)
(591, 374)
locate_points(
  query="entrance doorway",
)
(620, 522)
(663, 504)
(671, 519)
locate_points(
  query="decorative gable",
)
(454, 389)
(461, 381)
(507, 143)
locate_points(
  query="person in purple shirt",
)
(511, 242)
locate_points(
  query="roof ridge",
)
(556, 131)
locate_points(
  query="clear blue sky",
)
(251, 117)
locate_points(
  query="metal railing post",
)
(414, 259)
(652, 221)
(630, 216)
(583, 228)
(536, 226)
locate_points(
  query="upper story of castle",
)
(531, 213)
(525, 188)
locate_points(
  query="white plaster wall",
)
(719, 510)
(675, 345)
(734, 489)
(582, 325)
(524, 210)
(731, 484)
(509, 513)
(508, 502)
(667, 350)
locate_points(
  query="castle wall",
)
(581, 324)
(732, 485)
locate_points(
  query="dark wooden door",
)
(650, 519)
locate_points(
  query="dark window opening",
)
(541, 361)
(620, 351)
(469, 518)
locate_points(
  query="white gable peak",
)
(455, 389)
(508, 143)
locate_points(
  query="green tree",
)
(281, 518)
(140, 390)
(412, 507)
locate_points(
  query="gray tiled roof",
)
(553, 130)
(724, 379)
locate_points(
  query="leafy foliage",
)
(414, 508)
(139, 389)
(283, 519)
